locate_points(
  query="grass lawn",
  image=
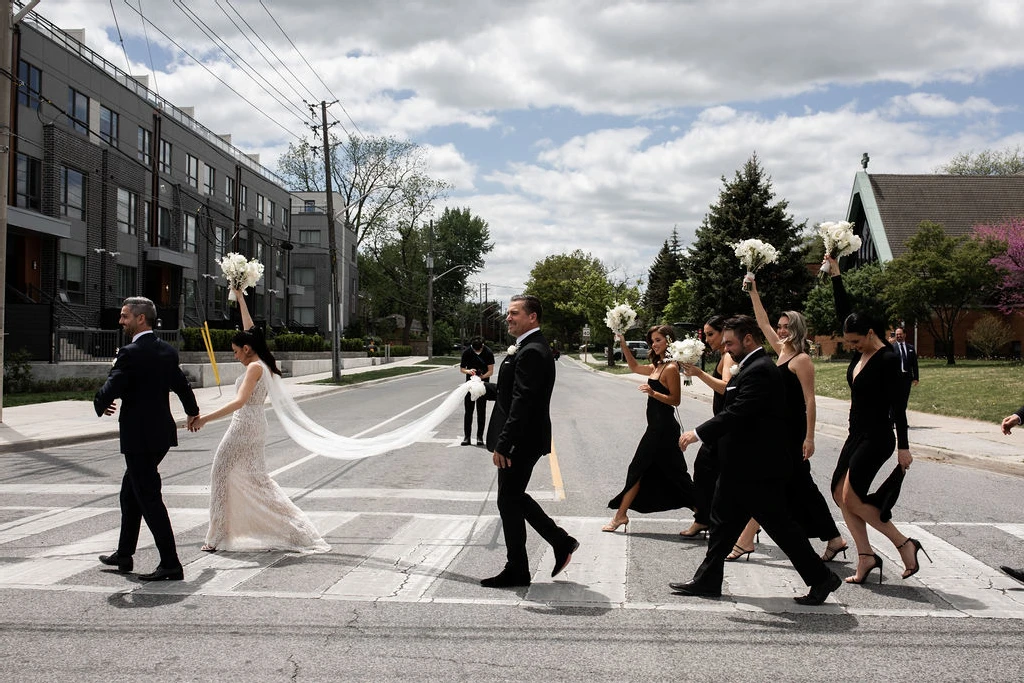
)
(12, 400)
(383, 373)
(977, 389)
(440, 360)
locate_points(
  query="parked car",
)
(639, 349)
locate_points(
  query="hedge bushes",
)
(298, 342)
(192, 340)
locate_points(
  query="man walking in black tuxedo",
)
(518, 435)
(144, 374)
(1009, 422)
(908, 362)
(754, 469)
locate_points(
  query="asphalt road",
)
(397, 598)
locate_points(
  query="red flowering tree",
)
(1010, 263)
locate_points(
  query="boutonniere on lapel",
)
(512, 349)
(734, 369)
(116, 351)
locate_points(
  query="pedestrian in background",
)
(477, 361)
(908, 362)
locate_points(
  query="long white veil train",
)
(322, 441)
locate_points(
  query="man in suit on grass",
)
(518, 435)
(754, 469)
(144, 373)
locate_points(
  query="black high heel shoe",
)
(917, 549)
(830, 553)
(738, 552)
(695, 533)
(878, 563)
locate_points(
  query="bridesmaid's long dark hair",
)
(254, 339)
(665, 331)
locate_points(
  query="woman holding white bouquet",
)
(657, 478)
(809, 508)
(248, 510)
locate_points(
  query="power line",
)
(221, 80)
(310, 66)
(248, 69)
(120, 38)
(145, 32)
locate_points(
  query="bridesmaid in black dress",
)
(657, 478)
(705, 465)
(876, 406)
(789, 340)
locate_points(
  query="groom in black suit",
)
(754, 469)
(144, 374)
(518, 435)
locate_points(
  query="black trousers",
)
(516, 508)
(734, 504)
(140, 499)
(481, 417)
(705, 478)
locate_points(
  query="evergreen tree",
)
(664, 272)
(745, 210)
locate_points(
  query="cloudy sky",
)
(596, 125)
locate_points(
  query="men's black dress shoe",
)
(124, 563)
(1015, 573)
(506, 579)
(480, 443)
(465, 442)
(162, 573)
(696, 590)
(820, 591)
(563, 555)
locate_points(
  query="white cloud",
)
(939, 106)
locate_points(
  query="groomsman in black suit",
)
(518, 435)
(1009, 422)
(908, 362)
(144, 374)
(754, 469)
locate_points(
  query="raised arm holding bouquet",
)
(240, 273)
(839, 241)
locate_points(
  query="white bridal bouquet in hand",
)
(620, 318)
(240, 273)
(685, 350)
(839, 241)
(753, 255)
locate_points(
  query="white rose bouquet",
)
(685, 350)
(754, 255)
(240, 273)
(839, 241)
(620, 318)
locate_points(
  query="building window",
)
(165, 156)
(220, 296)
(309, 206)
(78, 109)
(72, 193)
(127, 211)
(284, 216)
(243, 198)
(221, 246)
(190, 232)
(72, 277)
(146, 220)
(259, 207)
(355, 257)
(304, 315)
(166, 227)
(210, 180)
(191, 288)
(304, 276)
(271, 210)
(109, 126)
(145, 146)
(259, 252)
(309, 238)
(192, 170)
(229, 190)
(29, 179)
(126, 281)
(31, 84)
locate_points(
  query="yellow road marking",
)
(556, 474)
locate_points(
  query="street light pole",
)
(333, 251)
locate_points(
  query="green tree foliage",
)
(666, 270)
(575, 291)
(746, 209)
(680, 302)
(1009, 161)
(863, 286)
(939, 279)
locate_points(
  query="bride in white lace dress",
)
(248, 510)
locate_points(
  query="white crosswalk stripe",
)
(418, 558)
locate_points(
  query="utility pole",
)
(430, 290)
(5, 165)
(333, 250)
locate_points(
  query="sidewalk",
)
(933, 437)
(63, 423)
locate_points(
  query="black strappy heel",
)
(878, 563)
